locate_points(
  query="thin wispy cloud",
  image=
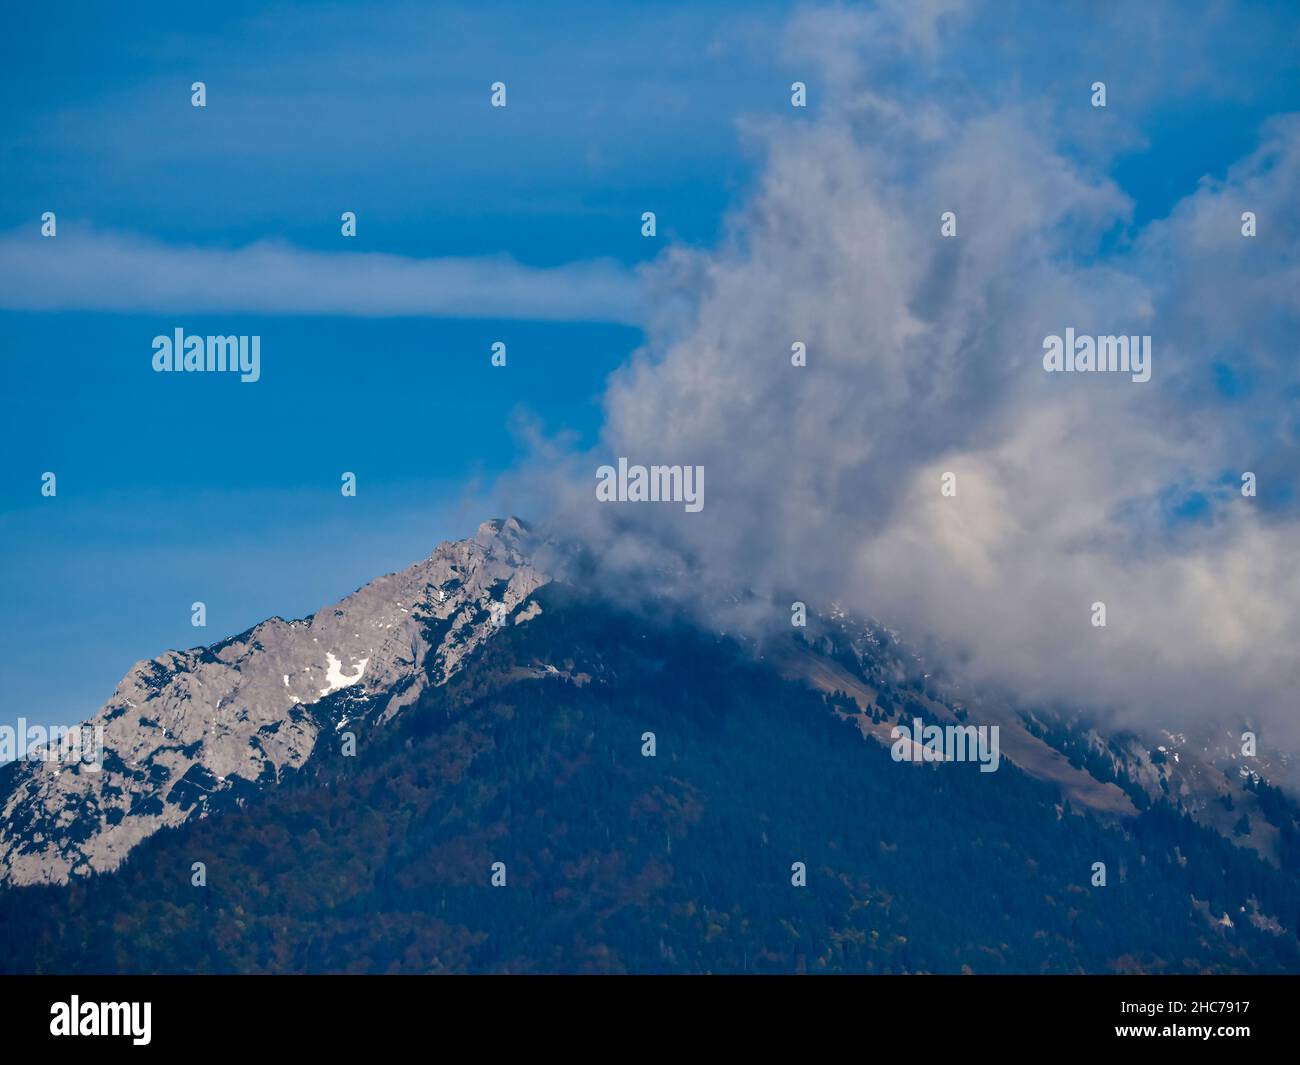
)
(105, 271)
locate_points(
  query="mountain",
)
(481, 764)
(191, 732)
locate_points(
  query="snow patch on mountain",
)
(334, 678)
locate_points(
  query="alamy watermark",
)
(214, 354)
(653, 484)
(946, 743)
(103, 1018)
(1088, 354)
(58, 743)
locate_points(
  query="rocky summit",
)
(189, 732)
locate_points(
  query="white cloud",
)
(924, 355)
(115, 272)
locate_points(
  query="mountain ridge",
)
(518, 819)
(193, 733)
(188, 732)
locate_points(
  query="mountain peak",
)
(190, 731)
(511, 533)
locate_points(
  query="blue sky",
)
(174, 489)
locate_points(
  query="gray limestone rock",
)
(189, 732)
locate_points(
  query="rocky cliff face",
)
(189, 732)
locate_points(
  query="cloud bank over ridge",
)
(924, 356)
